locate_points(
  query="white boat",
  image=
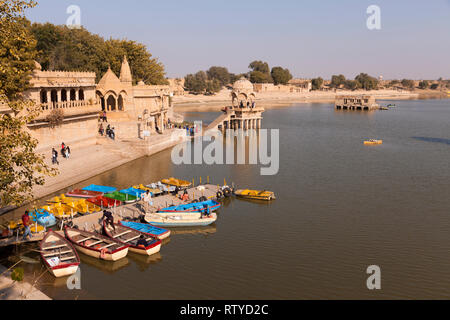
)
(59, 256)
(180, 220)
(96, 245)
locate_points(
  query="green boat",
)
(116, 195)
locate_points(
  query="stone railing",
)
(69, 108)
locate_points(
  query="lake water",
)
(341, 207)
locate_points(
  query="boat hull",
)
(78, 193)
(97, 254)
(174, 223)
(63, 272)
(148, 229)
(147, 252)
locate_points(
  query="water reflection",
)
(435, 140)
(109, 267)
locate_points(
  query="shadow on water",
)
(435, 140)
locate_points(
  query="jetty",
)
(356, 102)
(91, 221)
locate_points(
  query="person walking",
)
(54, 156)
(147, 201)
(67, 152)
(26, 225)
(101, 130)
(108, 217)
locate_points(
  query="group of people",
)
(65, 152)
(109, 131)
(249, 105)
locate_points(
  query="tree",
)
(352, 84)
(21, 167)
(62, 48)
(196, 83)
(408, 83)
(219, 73)
(280, 75)
(337, 81)
(423, 84)
(213, 86)
(317, 83)
(434, 86)
(260, 72)
(367, 82)
(259, 66)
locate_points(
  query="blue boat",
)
(43, 218)
(133, 192)
(147, 228)
(104, 189)
(196, 206)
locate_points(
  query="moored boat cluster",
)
(59, 249)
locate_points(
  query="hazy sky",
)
(311, 38)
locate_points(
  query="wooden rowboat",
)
(78, 193)
(128, 236)
(96, 245)
(176, 183)
(179, 220)
(59, 256)
(146, 228)
(256, 194)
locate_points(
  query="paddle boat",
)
(195, 206)
(373, 142)
(35, 228)
(96, 245)
(133, 192)
(384, 108)
(130, 237)
(59, 256)
(104, 202)
(78, 193)
(180, 220)
(147, 229)
(72, 206)
(176, 183)
(392, 106)
(97, 188)
(43, 217)
(123, 197)
(154, 191)
(164, 188)
(255, 194)
(59, 210)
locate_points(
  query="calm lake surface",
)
(341, 207)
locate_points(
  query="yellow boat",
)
(81, 205)
(155, 192)
(373, 142)
(256, 194)
(176, 183)
(34, 227)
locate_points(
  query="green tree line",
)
(65, 49)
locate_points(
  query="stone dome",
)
(243, 85)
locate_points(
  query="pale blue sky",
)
(311, 38)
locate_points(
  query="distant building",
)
(355, 102)
(119, 95)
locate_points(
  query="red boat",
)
(104, 202)
(78, 193)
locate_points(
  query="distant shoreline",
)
(198, 103)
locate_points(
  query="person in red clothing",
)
(26, 224)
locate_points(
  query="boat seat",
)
(56, 253)
(107, 246)
(131, 239)
(82, 240)
(68, 258)
(121, 234)
(55, 247)
(94, 243)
